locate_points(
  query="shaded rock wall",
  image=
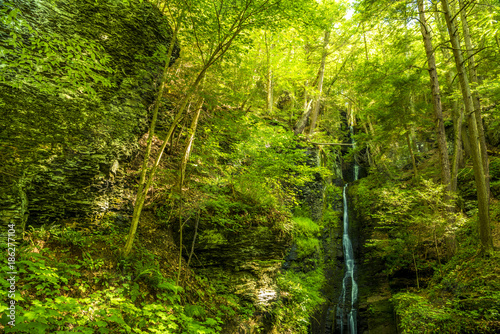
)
(63, 150)
(247, 262)
(375, 310)
(323, 321)
(313, 192)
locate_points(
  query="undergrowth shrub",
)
(300, 297)
(60, 295)
(463, 295)
(406, 219)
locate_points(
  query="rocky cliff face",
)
(64, 144)
(246, 258)
(247, 261)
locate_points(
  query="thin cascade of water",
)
(346, 310)
(348, 281)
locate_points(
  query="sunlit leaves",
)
(49, 62)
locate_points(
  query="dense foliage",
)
(215, 136)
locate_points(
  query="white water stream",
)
(346, 313)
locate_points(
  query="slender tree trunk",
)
(182, 124)
(214, 56)
(194, 237)
(457, 113)
(457, 145)
(143, 189)
(270, 95)
(189, 144)
(368, 148)
(436, 96)
(408, 141)
(141, 197)
(482, 192)
(182, 172)
(375, 148)
(306, 97)
(365, 43)
(416, 268)
(302, 122)
(475, 96)
(317, 102)
(465, 138)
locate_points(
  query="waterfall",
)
(346, 313)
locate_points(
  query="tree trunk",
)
(189, 144)
(182, 172)
(366, 45)
(141, 196)
(458, 119)
(368, 148)
(302, 122)
(482, 192)
(143, 188)
(215, 54)
(376, 148)
(465, 138)
(436, 97)
(475, 96)
(414, 163)
(270, 95)
(459, 127)
(317, 102)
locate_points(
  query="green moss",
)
(213, 237)
(303, 226)
(307, 247)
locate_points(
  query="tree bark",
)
(482, 192)
(189, 144)
(458, 119)
(182, 172)
(436, 96)
(369, 150)
(302, 122)
(414, 162)
(317, 102)
(465, 138)
(475, 96)
(459, 127)
(376, 148)
(270, 95)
